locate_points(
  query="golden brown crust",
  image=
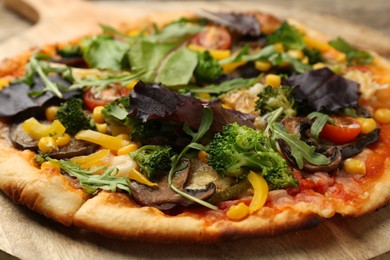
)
(47, 193)
(117, 215)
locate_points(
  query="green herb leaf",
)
(104, 52)
(288, 35)
(90, 181)
(237, 56)
(108, 79)
(36, 68)
(178, 67)
(162, 63)
(354, 56)
(206, 121)
(175, 32)
(226, 86)
(280, 58)
(321, 120)
(299, 149)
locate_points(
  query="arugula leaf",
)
(299, 149)
(354, 56)
(280, 58)
(237, 56)
(178, 67)
(288, 35)
(90, 181)
(225, 86)
(101, 83)
(36, 68)
(206, 121)
(321, 120)
(104, 52)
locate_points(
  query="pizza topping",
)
(272, 98)
(244, 24)
(342, 130)
(213, 38)
(354, 56)
(322, 89)
(72, 116)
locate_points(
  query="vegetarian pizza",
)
(206, 127)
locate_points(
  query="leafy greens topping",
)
(322, 89)
(354, 56)
(91, 181)
(288, 35)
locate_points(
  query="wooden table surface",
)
(30, 236)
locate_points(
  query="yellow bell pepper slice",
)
(260, 191)
(104, 140)
(230, 67)
(93, 159)
(316, 44)
(237, 212)
(37, 130)
(139, 177)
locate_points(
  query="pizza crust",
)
(116, 215)
(47, 193)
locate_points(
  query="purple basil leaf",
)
(322, 89)
(244, 24)
(154, 101)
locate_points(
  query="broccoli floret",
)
(153, 160)
(208, 69)
(271, 99)
(238, 149)
(72, 116)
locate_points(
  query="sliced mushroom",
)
(333, 153)
(355, 147)
(163, 197)
(21, 140)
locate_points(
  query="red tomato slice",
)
(344, 130)
(216, 38)
(103, 97)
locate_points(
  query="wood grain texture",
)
(28, 235)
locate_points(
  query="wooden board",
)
(28, 235)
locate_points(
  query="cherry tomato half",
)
(343, 130)
(104, 96)
(216, 38)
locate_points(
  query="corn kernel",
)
(237, 212)
(368, 124)
(203, 96)
(220, 54)
(279, 47)
(318, 65)
(202, 156)
(316, 44)
(134, 32)
(47, 144)
(63, 140)
(273, 80)
(127, 149)
(297, 54)
(101, 128)
(341, 57)
(305, 60)
(382, 115)
(51, 112)
(263, 65)
(354, 166)
(131, 84)
(97, 115)
(3, 83)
